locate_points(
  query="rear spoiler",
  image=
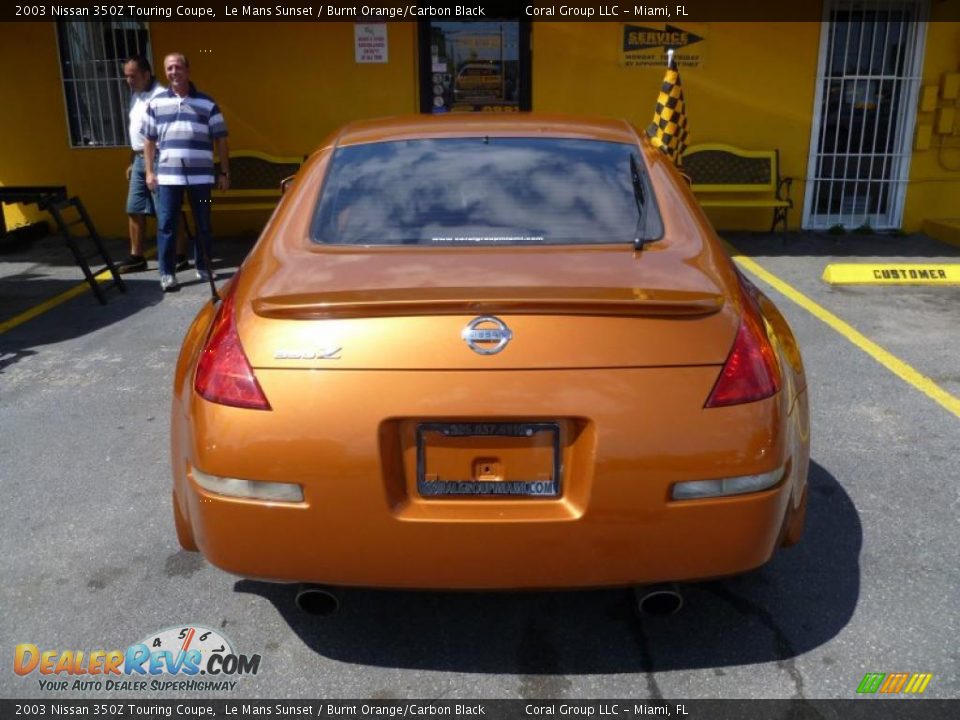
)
(476, 301)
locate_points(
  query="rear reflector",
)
(224, 375)
(248, 489)
(752, 371)
(728, 486)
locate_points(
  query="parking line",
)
(898, 367)
(46, 305)
(60, 299)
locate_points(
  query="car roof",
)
(453, 125)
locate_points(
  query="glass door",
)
(474, 66)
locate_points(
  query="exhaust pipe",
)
(317, 600)
(658, 600)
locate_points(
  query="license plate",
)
(488, 459)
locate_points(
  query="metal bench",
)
(727, 176)
(255, 180)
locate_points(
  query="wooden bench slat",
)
(741, 202)
(766, 187)
(240, 194)
(234, 207)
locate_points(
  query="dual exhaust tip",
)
(659, 600)
(317, 600)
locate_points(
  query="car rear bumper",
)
(363, 523)
(305, 543)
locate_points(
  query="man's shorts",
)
(140, 201)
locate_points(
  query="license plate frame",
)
(533, 489)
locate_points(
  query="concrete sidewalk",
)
(36, 272)
(844, 248)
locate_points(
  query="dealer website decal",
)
(186, 651)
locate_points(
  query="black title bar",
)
(400, 11)
(859, 709)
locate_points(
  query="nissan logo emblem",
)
(486, 335)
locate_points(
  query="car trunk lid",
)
(566, 308)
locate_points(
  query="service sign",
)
(644, 46)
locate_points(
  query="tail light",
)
(224, 375)
(752, 371)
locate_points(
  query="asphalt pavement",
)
(90, 560)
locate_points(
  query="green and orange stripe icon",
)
(894, 683)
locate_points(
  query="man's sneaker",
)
(182, 263)
(203, 275)
(134, 263)
(168, 283)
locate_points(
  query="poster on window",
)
(370, 40)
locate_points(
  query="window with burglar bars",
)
(96, 94)
(867, 84)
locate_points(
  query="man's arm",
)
(223, 152)
(149, 151)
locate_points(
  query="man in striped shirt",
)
(183, 125)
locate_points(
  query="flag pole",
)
(668, 129)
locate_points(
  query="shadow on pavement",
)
(78, 316)
(800, 600)
(52, 251)
(35, 284)
(851, 246)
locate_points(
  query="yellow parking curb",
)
(891, 274)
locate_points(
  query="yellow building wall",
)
(934, 188)
(755, 89)
(34, 139)
(283, 87)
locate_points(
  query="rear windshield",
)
(495, 190)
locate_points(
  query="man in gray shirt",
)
(140, 200)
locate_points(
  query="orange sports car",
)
(474, 352)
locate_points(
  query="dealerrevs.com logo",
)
(198, 657)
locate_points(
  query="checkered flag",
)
(668, 131)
